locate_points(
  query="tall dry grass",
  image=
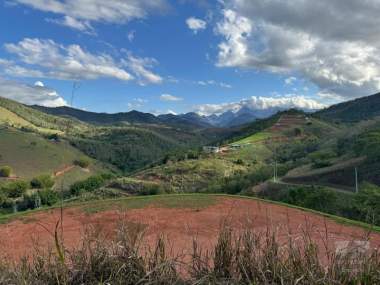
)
(247, 257)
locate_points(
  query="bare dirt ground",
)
(181, 226)
(63, 171)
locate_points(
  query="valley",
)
(286, 169)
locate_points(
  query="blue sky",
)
(180, 56)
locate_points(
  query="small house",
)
(211, 149)
(235, 146)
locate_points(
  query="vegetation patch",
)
(160, 201)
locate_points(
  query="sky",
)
(179, 56)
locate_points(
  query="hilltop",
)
(363, 108)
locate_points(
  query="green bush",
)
(151, 189)
(82, 162)
(5, 171)
(48, 197)
(368, 203)
(16, 189)
(90, 184)
(54, 137)
(192, 155)
(297, 132)
(320, 159)
(30, 201)
(42, 181)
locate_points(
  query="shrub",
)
(48, 197)
(42, 181)
(16, 189)
(90, 184)
(321, 158)
(5, 171)
(54, 137)
(82, 162)
(297, 132)
(367, 203)
(192, 155)
(151, 189)
(31, 201)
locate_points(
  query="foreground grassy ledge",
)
(193, 201)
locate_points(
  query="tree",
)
(5, 171)
(48, 197)
(42, 182)
(82, 162)
(16, 189)
(297, 132)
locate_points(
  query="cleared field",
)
(180, 219)
(30, 155)
(13, 119)
(258, 137)
(7, 116)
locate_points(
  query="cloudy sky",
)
(177, 56)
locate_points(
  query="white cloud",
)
(140, 67)
(30, 94)
(71, 62)
(131, 36)
(213, 83)
(66, 62)
(331, 43)
(136, 103)
(168, 97)
(171, 112)
(79, 14)
(39, 84)
(81, 25)
(290, 80)
(195, 24)
(225, 85)
(262, 103)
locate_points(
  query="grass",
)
(30, 155)
(159, 201)
(13, 119)
(250, 154)
(261, 136)
(191, 174)
(77, 174)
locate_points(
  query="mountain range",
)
(188, 120)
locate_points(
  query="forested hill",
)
(352, 111)
(132, 117)
(100, 118)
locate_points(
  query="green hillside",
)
(19, 115)
(363, 108)
(128, 147)
(293, 157)
(30, 155)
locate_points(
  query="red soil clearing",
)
(180, 226)
(63, 171)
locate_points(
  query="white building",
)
(211, 149)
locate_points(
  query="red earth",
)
(179, 226)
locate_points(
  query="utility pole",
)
(275, 172)
(75, 87)
(356, 180)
